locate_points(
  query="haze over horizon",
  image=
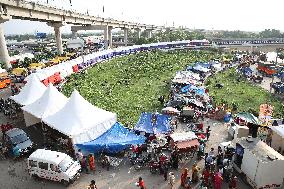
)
(202, 14)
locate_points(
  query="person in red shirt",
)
(141, 183)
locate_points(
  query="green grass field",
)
(244, 95)
(132, 84)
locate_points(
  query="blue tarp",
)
(116, 139)
(247, 71)
(161, 125)
(188, 88)
(200, 91)
(280, 75)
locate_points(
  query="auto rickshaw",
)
(36, 66)
(54, 61)
(5, 81)
(20, 72)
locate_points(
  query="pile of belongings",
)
(188, 98)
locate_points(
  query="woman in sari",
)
(183, 177)
(92, 162)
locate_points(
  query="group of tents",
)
(74, 117)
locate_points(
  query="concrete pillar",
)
(149, 33)
(139, 33)
(74, 34)
(4, 55)
(125, 36)
(57, 32)
(106, 37)
(109, 36)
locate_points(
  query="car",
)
(53, 165)
(17, 142)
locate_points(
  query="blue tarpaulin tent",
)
(116, 139)
(146, 123)
(198, 90)
(188, 88)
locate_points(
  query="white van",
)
(53, 165)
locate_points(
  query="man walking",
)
(208, 132)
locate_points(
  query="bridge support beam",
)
(109, 28)
(57, 32)
(148, 33)
(106, 37)
(74, 34)
(4, 55)
(139, 33)
(125, 36)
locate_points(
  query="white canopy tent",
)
(32, 91)
(80, 120)
(49, 103)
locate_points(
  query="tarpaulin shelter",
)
(186, 77)
(170, 110)
(195, 102)
(116, 139)
(32, 91)
(153, 123)
(247, 71)
(80, 120)
(190, 87)
(184, 140)
(204, 64)
(248, 117)
(49, 103)
(200, 68)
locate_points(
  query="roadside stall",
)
(185, 142)
(79, 120)
(170, 111)
(249, 120)
(237, 131)
(260, 164)
(49, 103)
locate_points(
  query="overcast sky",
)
(249, 15)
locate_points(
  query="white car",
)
(54, 166)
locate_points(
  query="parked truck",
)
(261, 166)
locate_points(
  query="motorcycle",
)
(154, 167)
(140, 163)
